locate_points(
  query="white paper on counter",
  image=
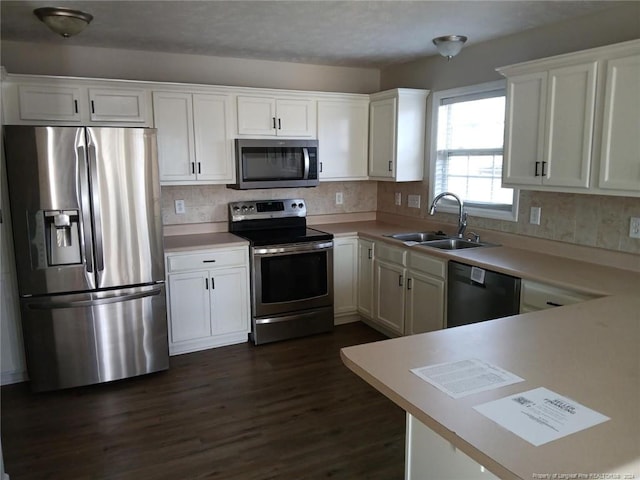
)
(465, 377)
(540, 415)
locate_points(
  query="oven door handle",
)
(295, 248)
(307, 162)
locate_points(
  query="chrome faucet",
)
(462, 215)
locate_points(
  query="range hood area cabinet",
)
(397, 121)
(288, 117)
(572, 122)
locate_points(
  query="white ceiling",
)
(346, 33)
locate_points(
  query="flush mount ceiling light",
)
(63, 21)
(449, 45)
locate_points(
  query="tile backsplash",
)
(208, 203)
(590, 220)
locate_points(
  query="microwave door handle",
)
(305, 151)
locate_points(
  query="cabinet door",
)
(117, 105)
(345, 275)
(295, 118)
(425, 304)
(569, 129)
(620, 151)
(256, 115)
(173, 117)
(382, 138)
(389, 295)
(365, 277)
(49, 103)
(524, 129)
(212, 137)
(189, 307)
(229, 300)
(343, 134)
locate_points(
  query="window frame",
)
(450, 206)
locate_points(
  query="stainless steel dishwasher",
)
(476, 295)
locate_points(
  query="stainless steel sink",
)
(418, 236)
(453, 244)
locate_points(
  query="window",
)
(466, 150)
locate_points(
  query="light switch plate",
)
(413, 201)
(339, 198)
(534, 216)
(398, 198)
(634, 227)
(179, 204)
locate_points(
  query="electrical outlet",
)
(398, 197)
(339, 198)
(634, 227)
(413, 201)
(534, 216)
(179, 204)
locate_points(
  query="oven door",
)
(290, 278)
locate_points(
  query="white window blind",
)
(469, 147)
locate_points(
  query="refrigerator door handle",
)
(90, 303)
(83, 191)
(95, 204)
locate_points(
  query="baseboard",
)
(346, 318)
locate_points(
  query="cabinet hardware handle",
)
(208, 261)
(206, 283)
(193, 168)
(93, 109)
(400, 280)
(279, 124)
(274, 122)
(554, 304)
(213, 284)
(199, 169)
(370, 254)
(408, 284)
(543, 172)
(75, 103)
(320, 167)
(390, 165)
(536, 172)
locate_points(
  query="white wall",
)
(34, 58)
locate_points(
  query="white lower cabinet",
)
(539, 296)
(208, 298)
(365, 277)
(408, 289)
(428, 455)
(345, 279)
(425, 302)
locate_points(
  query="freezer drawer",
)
(81, 339)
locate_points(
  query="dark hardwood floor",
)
(289, 410)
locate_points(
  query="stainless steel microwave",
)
(276, 164)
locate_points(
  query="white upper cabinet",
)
(343, 137)
(194, 137)
(572, 122)
(620, 150)
(397, 120)
(275, 116)
(41, 100)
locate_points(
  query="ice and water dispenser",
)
(62, 237)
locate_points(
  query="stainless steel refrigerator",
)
(87, 229)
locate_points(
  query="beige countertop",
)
(587, 352)
(201, 241)
(552, 269)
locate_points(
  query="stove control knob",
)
(293, 205)
(251, 208)
(301, 205)
(244, 208)
(236, 208)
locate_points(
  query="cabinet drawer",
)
(540, 296)
(426, 264)
(209, 259)
(391, 254)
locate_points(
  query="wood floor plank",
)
(289, 410)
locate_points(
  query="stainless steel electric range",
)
(291, 269)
